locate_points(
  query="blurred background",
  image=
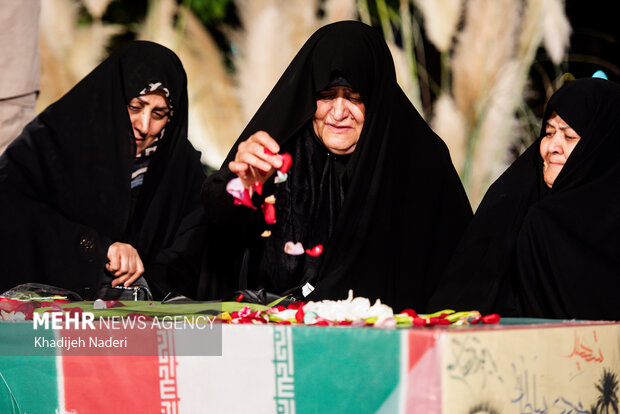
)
(479, 71)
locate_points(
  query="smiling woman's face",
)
(339, 119)
(556, 146)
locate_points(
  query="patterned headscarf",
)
(143, 159)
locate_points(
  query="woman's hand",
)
(124, 264)
(252, 163)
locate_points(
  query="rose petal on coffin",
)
(294, 249)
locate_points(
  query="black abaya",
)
(549, 252)
(65, 184)
(388, 215)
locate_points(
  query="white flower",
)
(350, 309)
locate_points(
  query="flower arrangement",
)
(353, 311)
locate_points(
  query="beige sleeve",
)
(19, 47)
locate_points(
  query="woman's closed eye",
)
(355, 98)
(327, 96)
(160, 115)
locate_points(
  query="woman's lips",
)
(339, 127)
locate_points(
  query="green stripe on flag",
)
(28, 384)
(342, 369)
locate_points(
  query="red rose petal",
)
(410, 312)
(287, 161)
(417, 321)
(269, 213)
(491, 318)
(299, 315)
(315, 251)
(258, 187)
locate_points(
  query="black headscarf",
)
(388, 215)
(549, 252)
(65, 183)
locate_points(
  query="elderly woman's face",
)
(339, 119)
(556, 146)
(148, 114)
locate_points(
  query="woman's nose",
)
(556, 143)
(340, 108)
(142, 123)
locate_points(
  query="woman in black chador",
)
(371, 203)
(103, 187)
(545, 240)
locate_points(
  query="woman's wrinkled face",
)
(148, 114)
(339, 119)
(556, 146)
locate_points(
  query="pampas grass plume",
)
(496, 131)
(556, 31)
(96, 8)
(337, 10)
(441, 18)
(272, 32)
(449, 124)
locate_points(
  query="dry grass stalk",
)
(337, 10)
(496, 132)
(96, 8)
(483, 47)
(448, 123)
(158, 25)
(57, 32)
(403, 75)
(272, 33)
(68, 52)
(530, 35)
(441, 18)
(215, 119)
(90, 47)
(492, 58)
(556, 31)
(214, 113)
